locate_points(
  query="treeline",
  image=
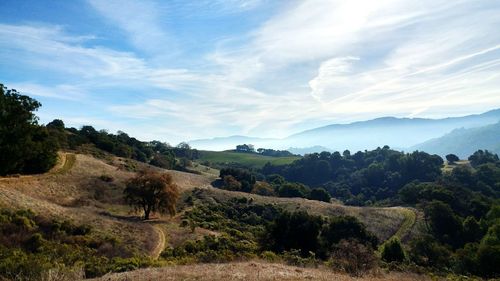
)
(249, 148)
(27, 147)
(156, 153)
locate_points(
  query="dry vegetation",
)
(87, 190)
(248, 271)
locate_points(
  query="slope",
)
(74, 190)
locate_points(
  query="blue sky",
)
(182, 70)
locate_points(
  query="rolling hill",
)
(74, 190)
(252, 160)
(463, 142)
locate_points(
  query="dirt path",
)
(65, 162)
(410, 218)
(156, 252)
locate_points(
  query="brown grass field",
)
(73, 190)
(249, 271)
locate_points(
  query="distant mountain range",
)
(464, 142)
(398, 133)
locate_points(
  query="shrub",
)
(425, 251)
(270, 256)
(393, 251)
(263, 188)
(319, 194)
(106, 178)
(352, 257)
(295, 258)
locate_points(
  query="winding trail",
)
(160, 246)
(410, 218)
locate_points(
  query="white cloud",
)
(140, 20)
(63, 91)
(333, 78)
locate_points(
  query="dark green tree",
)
(25, 147)
(452, 158)
(443, 223)
(319, 194)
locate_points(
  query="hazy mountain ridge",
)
(399, 133)
(463, 142)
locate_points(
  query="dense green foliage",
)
(363, 177)
(25, 147)
(31, 245)
(237, 179)
(154, 152)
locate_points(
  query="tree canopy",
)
(25, 147)
(152, 192)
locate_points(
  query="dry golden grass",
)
(73, 190)
(249, 271)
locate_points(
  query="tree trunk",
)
(147, 210)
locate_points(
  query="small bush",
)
(393, 251)
(270, 256)
(106, 178)
(352, 257)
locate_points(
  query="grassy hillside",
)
(77, 190)
(246, 159)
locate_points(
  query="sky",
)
(178, 70)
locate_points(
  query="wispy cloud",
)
(140, 20)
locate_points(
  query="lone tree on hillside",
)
(452, 158)
(152, 192)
